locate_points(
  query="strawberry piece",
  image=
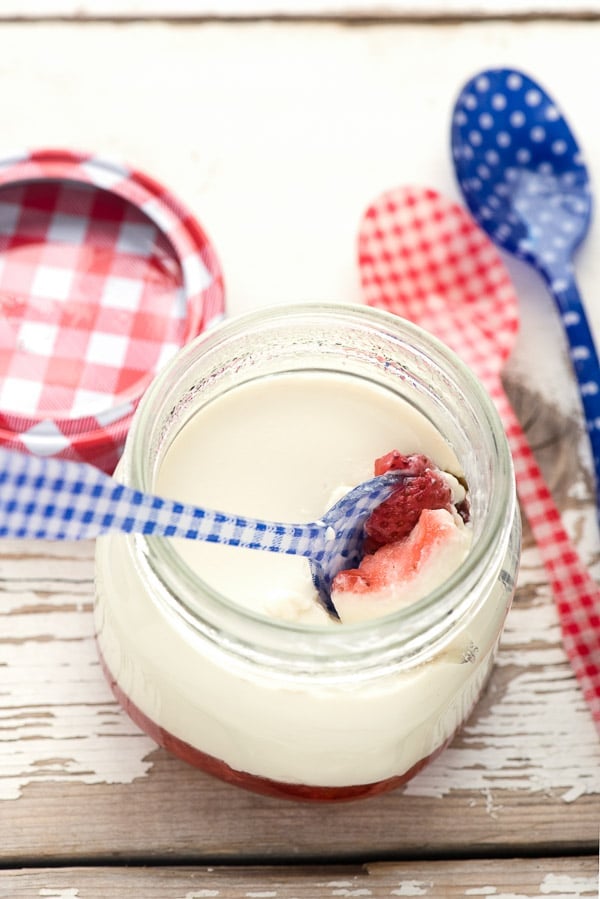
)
(400, 562)
(415, 463)
(395, 518)
(399, 574)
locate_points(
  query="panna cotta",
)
(284, 448)
(224, 655)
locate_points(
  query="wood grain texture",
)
(339, 9)
(561, 878)
(79, 781)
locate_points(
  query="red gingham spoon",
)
(424, 258)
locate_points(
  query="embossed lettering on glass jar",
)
(298, 710)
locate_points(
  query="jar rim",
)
(449, 600)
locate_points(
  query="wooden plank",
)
(78, 780)
(508, 878)
(338, 9)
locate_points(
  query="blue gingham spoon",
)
(52, 499)
(524, 180)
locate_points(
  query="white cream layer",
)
(285, 448)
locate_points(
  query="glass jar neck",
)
(363, 343)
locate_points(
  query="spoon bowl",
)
(423, 257)
(524, 180)
(49, 498)
(520, 168)
(452, 282)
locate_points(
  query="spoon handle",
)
(584, 357)
(576, 595)
(54, 499)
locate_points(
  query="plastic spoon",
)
(525, 182)
(47, 498)
(424, 258)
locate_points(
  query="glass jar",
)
(307, 711)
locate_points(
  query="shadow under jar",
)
(315, 711)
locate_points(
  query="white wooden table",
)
(278, 134)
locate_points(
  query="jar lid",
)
(104, 275)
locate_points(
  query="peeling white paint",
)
(493, 891)
(581, 523)
(202, 894)
(351, 892)
(538, 735)
(412, 888)
(530, 572)
(60, 894)
(58, 719)
(563, 885)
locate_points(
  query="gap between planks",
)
(521, 879)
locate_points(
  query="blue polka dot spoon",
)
(54, 499)
(523, 178)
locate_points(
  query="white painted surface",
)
(384, 9)
(328, 117)
(69, 729)
(530, 879)
(68, 893)
(278, 137)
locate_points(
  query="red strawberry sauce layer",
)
(253, 782)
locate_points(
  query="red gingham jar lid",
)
(104, 275)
